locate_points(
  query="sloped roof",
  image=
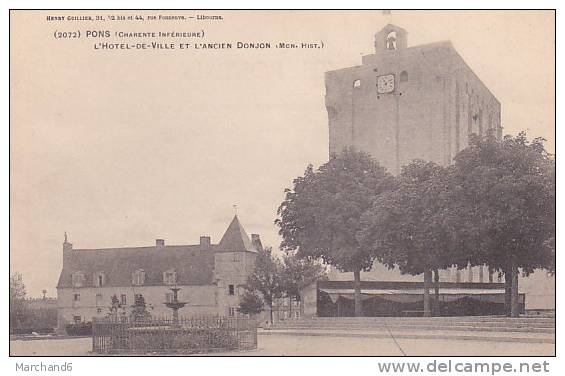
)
(193, 264)
(235, 239)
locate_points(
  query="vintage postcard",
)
(270, 183)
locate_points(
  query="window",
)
(78, 279)
(391, 40)
(357, 84)
(231, 312)
(98, 310)
(98, 299)
(403, 76)
(77, 319)
(231, 289)
(98, 279)
(138, 277)
(296, 314)
(168, 297)
(137, 297)
(236, 257)
(76, 297)
(170, 277)
(123, 299)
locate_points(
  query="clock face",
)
(385, 84)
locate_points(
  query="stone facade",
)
(436, 102)
(211, 277)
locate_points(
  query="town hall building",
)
(211, 276)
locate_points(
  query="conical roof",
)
(235, 239)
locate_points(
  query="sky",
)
(118, 148)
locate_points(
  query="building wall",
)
(380, 272)
(201, 300)
(308, 298)
(232, 268)
(428, 116)
(539, 288)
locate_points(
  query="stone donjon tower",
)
(404, 103)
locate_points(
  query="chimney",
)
(205, 240)
(159, 242)
(66, 245)
(256, 241)
(67, 250)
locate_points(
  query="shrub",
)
(79, 329)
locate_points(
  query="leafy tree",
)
(139, 310)
(298, 273)
(114, 306)
(508, 189)
(412, 226)
(266, 281)
(549, 245)
(320, 216)
(19, 311)
(251, 303)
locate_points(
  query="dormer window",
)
(170, 277)
(99, 279)
(138, 277)
(78, 279)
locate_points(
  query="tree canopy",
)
(265, 282)
(508, 190)
(298, 273)
(19, 311)
(139, 309)
(251, 303)
(412, 226)
(320, 216)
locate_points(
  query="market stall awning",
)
(416, 295)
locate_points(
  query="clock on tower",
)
(385, 84)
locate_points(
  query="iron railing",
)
(164, 335)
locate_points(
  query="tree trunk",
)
(490, 272)
(337, 302)
(357, 287)
(427, 282)
(271, 313)
(514, 300)
(290, 308)
(507, 291)
(437, 311)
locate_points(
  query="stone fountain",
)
(175, 305)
